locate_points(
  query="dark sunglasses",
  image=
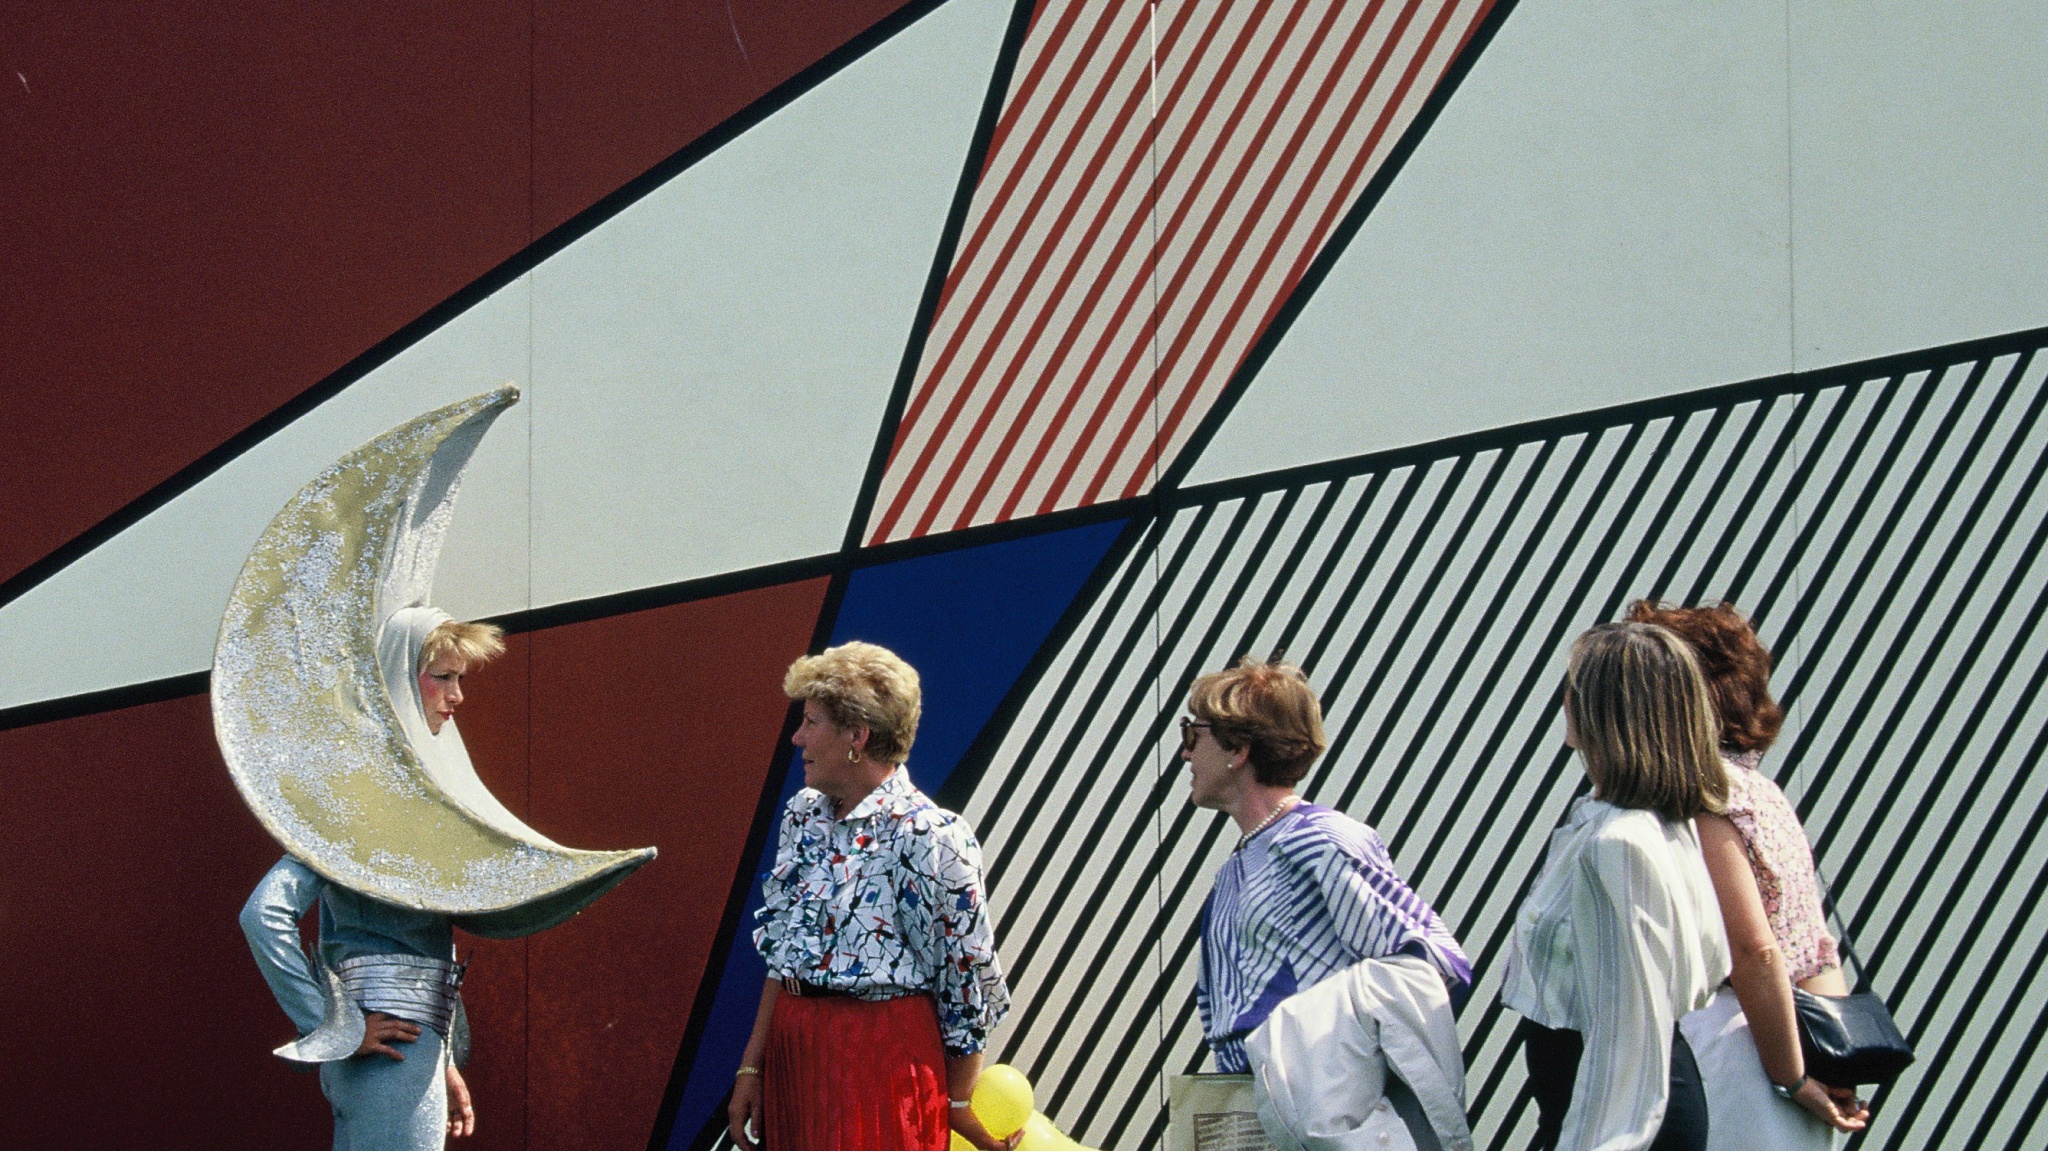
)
(1191, 731)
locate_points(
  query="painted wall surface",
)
(1073, 349)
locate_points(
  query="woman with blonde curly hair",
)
(883, 982)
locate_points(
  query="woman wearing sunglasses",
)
(1307, 896)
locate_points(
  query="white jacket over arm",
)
(1618, 938)
(1321, 1060)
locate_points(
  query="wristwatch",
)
(1789, 1093)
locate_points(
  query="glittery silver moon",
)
(306, 724)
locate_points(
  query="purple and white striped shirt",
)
(1314, 894)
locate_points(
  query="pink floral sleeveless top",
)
(1783, 863)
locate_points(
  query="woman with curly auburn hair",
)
(883, 982)
(1756, 851)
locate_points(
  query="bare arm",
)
(744, 1115)
(1761, 982)
(1826, 982)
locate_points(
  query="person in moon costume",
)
(402, 1087)
(334, 689)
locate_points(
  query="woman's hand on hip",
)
(1838, 1106)
(744, 1114)
(461, 1111)
(380, 1030)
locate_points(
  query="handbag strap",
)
(1845, 946)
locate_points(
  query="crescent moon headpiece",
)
(329, 748)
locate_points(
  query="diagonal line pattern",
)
(1037, 389)
(1888, 533)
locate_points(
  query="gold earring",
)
(853, 755)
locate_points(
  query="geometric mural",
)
(907, 323)
(1158, 184)
(1884, 523)
(934, 611)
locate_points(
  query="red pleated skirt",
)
(847, 1073)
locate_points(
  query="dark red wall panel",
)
(208, 208)
(658, 728)
(618, 85)
(135, 1016)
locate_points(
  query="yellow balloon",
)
(1040, 1135)
(1002, 1099)
(960, 1143)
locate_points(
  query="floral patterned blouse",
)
(887, 902)
(1783, 863)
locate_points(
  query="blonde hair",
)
(862, 685)
(1268, 708)
(1644, 720)
(470, 643)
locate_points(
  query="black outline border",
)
(467, 297)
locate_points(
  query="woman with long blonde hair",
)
(1620, 935)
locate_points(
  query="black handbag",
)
(1849, 1040)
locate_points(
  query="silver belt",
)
(413, 988)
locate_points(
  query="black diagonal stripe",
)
(1135, 567)
(1710, 501)
(1983, 777)
(967, 775)
(1123, 1047)
(1786, 503)
(1503, 1067)
(1202, 654)
(1506, 654)
(1165, 783)
(1133, 640)
(1945, 771)
(1818, 585)
(1815, 719)
(1418, 540)
(2009, 806)
(1396, 653)
(1312, 663)
(1478, 573)
(1930, 1069)
(1647, 544)
(1989, 1045)
(1764, 478)
(1334, 559)
(1283, 578)
(1965, 945)
(1906, 632)
(1936, 648)
(1843, 534)
(1867, 429)
(1515, 640)
(2015, 1070)
(1107, 813)
(1625, 456)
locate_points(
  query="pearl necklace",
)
(1286, 802)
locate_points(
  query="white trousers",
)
(1742, 1109)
